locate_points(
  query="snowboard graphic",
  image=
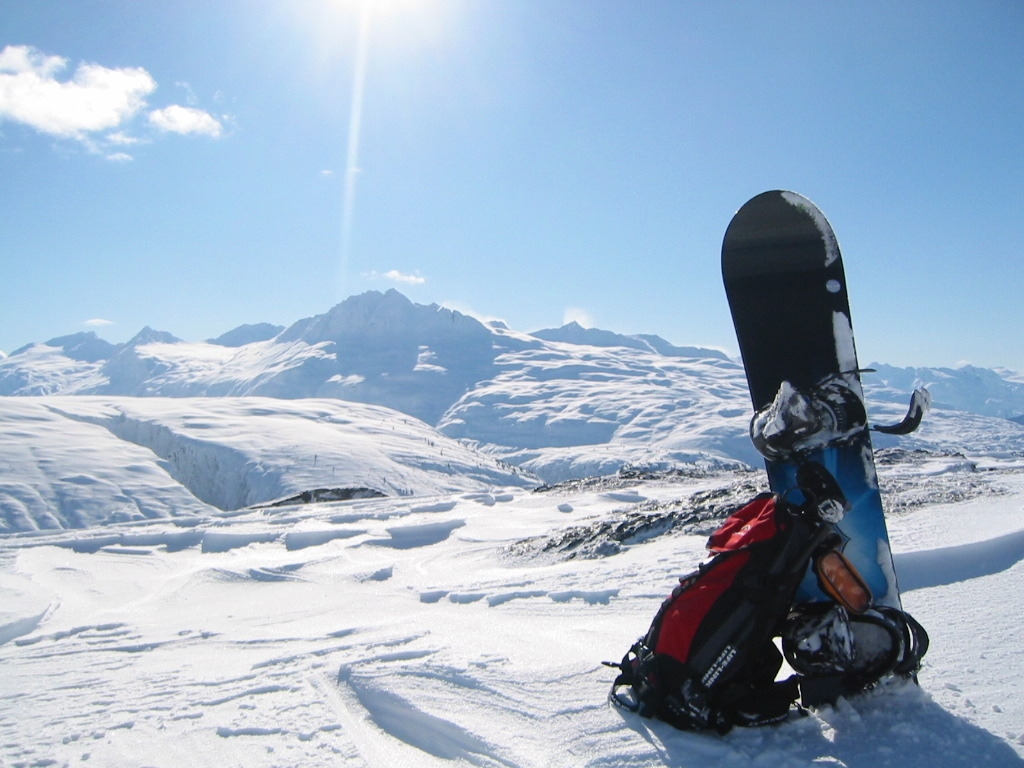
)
(786, 287)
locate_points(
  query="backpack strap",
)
(655, 685)
(762, 706)
(629, 690)
(760, 699)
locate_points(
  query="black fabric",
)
(708, 661)
(845, 654)
(755, 699)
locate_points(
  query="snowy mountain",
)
(252, 552)
(375, 348)
(563, 403)
(574, 333)
(247, 334)
(976, 390)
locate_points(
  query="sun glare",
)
(386, 8)
(376, 38)
(370, 11)
(355, 126)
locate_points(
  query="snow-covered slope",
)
(79, 462)
(561, 403)
(567, 410)
(444, 630)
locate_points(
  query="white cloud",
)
(24, 58)
(398, 277)
(186, 120)
(190, 95)
(120, 157)
(98, 322)
(121, 139)
(395, 276)
(96, 98)
(94, 106)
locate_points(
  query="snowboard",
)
(786, 287)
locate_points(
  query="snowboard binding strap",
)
(830, 413)
(841, 654)
(920, 402)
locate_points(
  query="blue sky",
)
(195, 165)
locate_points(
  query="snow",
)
(552, 403)
(436, 629)
(846, 353)
(820, 222)
(78, 462)
(212, 580)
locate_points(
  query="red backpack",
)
(708, 660)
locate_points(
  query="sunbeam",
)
(355, 123)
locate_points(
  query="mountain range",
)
(555, 404)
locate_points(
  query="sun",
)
(389, 8)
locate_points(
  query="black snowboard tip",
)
(784, 221)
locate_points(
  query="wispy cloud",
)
(94, 106)
(397, 277)
(119, 138)
(185, 120)
(98, 322)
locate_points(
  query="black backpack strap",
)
(758, 698)
(631, 689)
(750, 706)
(655, 685)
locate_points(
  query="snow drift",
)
(440, 631)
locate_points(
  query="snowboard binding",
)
(840, 653)
(831, 413)
(797, 422)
